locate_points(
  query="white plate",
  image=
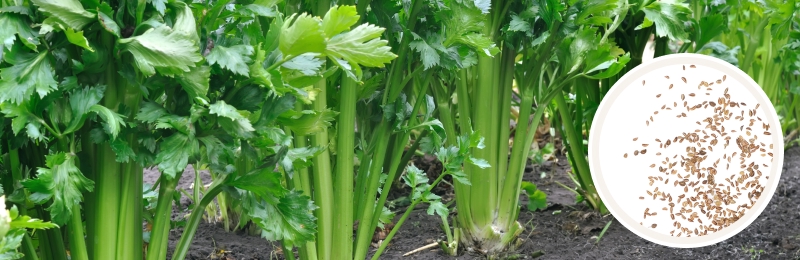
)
(622, 116)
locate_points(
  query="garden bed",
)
(564, 230)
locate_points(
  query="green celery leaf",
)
(720, 50)
(595, 12)
(308, 64)
(572, 51)
(310, 123)
(483, 5)
(184, 21)
(264, 183)
(613, 67)
(109, 24)
(249, 97)
(299, 158)
(22, 116)
(464, 24)
(231, 120)
(11, 25)
(709, 28)
(196, 81)
(301, 34)
(78, 39)
(668, 16)
(259, 10)
(162, 49)
(80, 103)
(113, 121)
(273, 107)
(417, 180)
(68, 12)
(429, 55)
(550, 11)
(414, 176)
(175, 152)
(181, 123)
(781, 16)
(150, 112)
(61, 181)
(31, 73)
(214, 148)
(339, 19)
(482, 163)
(32, 223)
(461, 177)
(537, 199)
(289, 221)
(439, 208)
(233, 58)
(10, 243)
(361, 46)
(518, 24)
(386, 217)
(160, 5)
(122, 150)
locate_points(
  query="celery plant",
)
(104, 89)
(544, 46)
(375, 110)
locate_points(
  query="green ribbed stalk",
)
(484, 196)
(301, 182)
(506, 84)
(129, 239)
(323, 182)
(575, 142)
(160, 233)
(108, 178)
(194, 220)
(343, 183)
(382, 134)
(77, 240)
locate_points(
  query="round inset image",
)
(686, 150)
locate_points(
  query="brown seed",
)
(626, 155)
(654, 225)
(658, 96)
(692, 66)
(684, 79)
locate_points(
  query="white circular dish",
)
(647, 103)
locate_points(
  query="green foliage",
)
(537, 199)
(668, 17)
(12, 229)
(63, 183)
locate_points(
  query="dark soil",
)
(564, 230)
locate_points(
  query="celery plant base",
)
(492, 240)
